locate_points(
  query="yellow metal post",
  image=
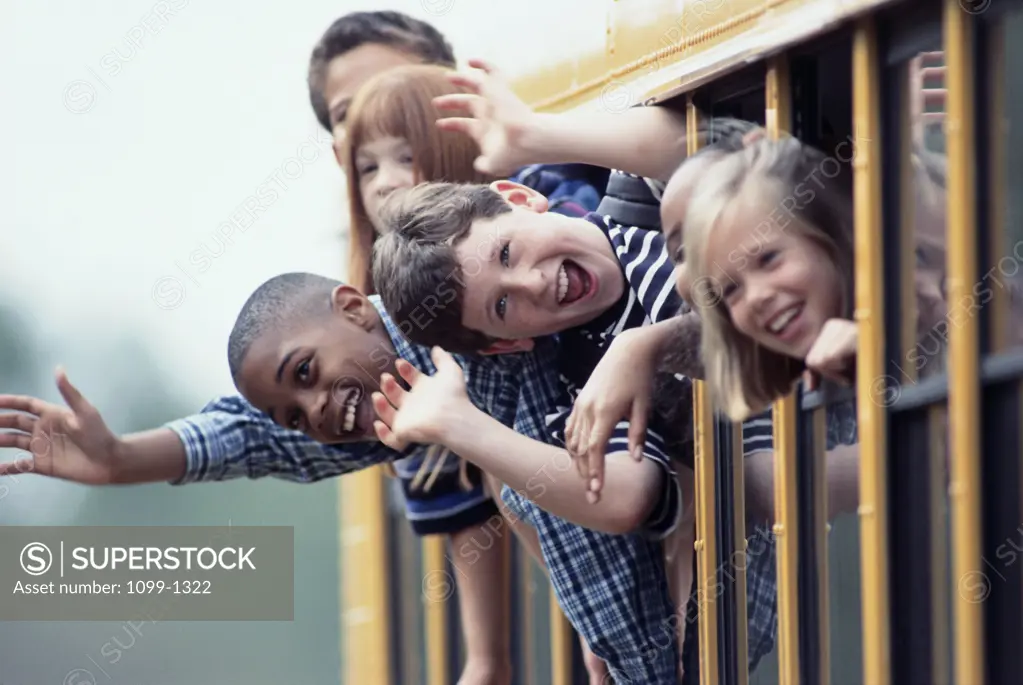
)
(365, 608)
(778, 119)
(964, 364)
(436, 605)
(871, 376)
(561, 645)
(706, 522)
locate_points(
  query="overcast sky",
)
(134, 130)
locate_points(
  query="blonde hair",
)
(743, 376)
(399, 103)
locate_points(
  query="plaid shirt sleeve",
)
(232, 439)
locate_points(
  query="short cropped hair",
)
(279, 304)
(417, 273)
(355, 29)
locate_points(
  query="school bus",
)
(924, 583)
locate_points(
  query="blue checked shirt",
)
(612, 588)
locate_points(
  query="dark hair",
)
(416, 270)
(393, 29)
(277, 304)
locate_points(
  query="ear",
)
(509, 346)
(519, 195)
(349, 303)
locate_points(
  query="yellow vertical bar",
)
(561, 645)
(778, 119)
(364, 560)
(820, 529)
(436, 613)
(964, 365)
(739, 516)
(870, 362)
(706, 521)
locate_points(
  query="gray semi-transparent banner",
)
(156, 573)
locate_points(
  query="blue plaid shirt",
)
(612, 588)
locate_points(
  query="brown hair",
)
(420, 276)
(399, 103)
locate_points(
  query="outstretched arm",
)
(229, 439)
(74, 443)
(646, 141)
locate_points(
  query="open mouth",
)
(783, 323)
(350, 420)
(574, 283)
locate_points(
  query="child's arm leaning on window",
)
(646, 141)
(621, 387)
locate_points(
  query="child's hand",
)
(620, 387)
(73, 444)
(422, 413)
(499, 121)
(833, 354)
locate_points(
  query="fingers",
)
(596, 459)
(18, 441)
(21, 422)
(483, 65)
(386, 436)
(16, 468)
(472, 127)
(471, 82)
(74, 399)
(458, 102)
(408, 372)
(393, 393)
(24, 403)
(637, 429)
(442, 360)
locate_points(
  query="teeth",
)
(562, 283)
(782, 320)
(349, 418)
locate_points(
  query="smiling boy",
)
(487, 269)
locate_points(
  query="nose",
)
(759, 295)
(314, 405)
(391, 177)
(529, 282)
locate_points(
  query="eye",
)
(366, 169)
(505, 254)
(405, 157)
(293, 420)
(303, 371)
(340, 114)
(501, 306)
(767, 257)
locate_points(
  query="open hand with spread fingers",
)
(620, 388)
(833, 354)
(72, 443)
(497, 119)
(424, 412)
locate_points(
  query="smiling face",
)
(347, 73)
(318, 376)
(382, 166)
(531, 273)
(778, 285)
